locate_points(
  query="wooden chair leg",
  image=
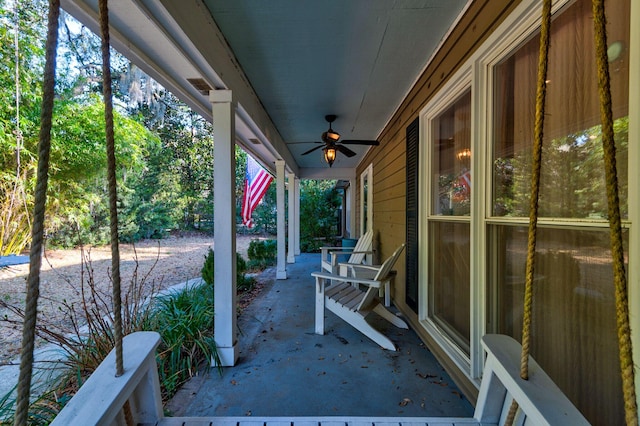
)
(320, 283)
(389, 316)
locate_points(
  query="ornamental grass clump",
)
(184, 320)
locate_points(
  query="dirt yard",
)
(162, 263)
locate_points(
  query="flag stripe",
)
(256, 184)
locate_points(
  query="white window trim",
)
(455, 87)
(367, 175)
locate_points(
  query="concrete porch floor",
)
(285, 369)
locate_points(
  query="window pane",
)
(451, 157)
(572, 179)
(449, 289)
(573, 328)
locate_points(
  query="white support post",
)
(353, 229)
(281, 269)
(292, 214)
(224, 212)
(296, 231)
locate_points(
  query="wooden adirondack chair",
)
(357, 254)
(354, 298)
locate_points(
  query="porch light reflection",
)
(463, 154)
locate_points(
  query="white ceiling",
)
(291, 61)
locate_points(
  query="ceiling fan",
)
(331, 146)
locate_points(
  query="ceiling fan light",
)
(329, 155)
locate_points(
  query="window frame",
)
(366, 176)
(451, 92)
(477, 74)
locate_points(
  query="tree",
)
(319, 203)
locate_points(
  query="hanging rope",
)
(615, 223)
(541, 93)
(111, 178)
(37, 231)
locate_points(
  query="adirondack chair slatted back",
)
(386, 266)
(363, 245)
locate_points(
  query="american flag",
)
(255, 185)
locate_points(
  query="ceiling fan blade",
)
(346, 151)
(313, 149)
(359, 142)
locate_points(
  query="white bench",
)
(101, 399)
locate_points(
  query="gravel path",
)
(162, 263)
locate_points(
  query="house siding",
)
(389, 159)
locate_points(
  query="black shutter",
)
(412, 215)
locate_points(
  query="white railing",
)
(101, 400)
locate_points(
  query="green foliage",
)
(262, 254)
(185, 323)
(78, 200)
(319, 203)
(243, 282)
(184, 160)
(208, 268)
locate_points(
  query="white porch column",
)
(296, 231)
(291, 258)
(224, 212)
(353, 229)
(281, 270)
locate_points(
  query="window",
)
(574, 329)
(448, 285)
(474, 191)
(451, 158)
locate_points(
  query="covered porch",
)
(214, 55)
(284, 369)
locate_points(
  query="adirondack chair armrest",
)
(327, 248)
(338, 250)
(360, 252)
(360, 266)
(339, 278)
(326, 251)
(334, 257)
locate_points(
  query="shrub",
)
(262, 254)
(243, 282)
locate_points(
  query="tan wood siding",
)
(389, 159)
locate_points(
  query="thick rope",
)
(37, 231)
(615, 223)
(541, 93)
(111, 177)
